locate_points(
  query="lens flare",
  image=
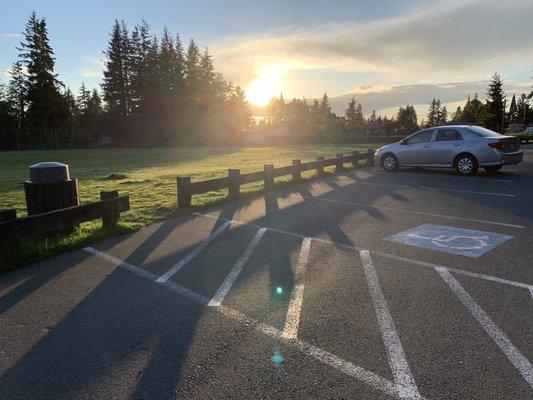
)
(277, 358)
(266, 86)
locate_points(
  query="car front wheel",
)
(389, 162)
(466, 164)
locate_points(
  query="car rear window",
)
(483, 132)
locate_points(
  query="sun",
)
(265, 86)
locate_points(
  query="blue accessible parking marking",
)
(466, 242)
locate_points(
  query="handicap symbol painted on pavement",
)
(466, 242)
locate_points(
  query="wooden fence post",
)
(370, 156)
(319, 165)
(269, 176)
(338, 166)
(296, 170)
(355, 161)
(184, 198)
(234, 184)
(9, 248)
(111, 220)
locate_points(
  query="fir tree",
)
(353, 117)
(42, 97)
(407, 120)
(434, 113)
(494, 105)
(117, 80)
(512, 115)
(473, 111)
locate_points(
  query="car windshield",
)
(483, 132)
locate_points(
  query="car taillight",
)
(498, 145)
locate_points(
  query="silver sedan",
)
(463, 147)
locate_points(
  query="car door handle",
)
(426, 146)
(457, 144)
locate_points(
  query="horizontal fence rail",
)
(186, 189)
(525, 139)
(12, 228)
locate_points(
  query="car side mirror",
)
(403, 141)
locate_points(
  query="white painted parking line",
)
(367, 377)
(236, 270)
(119, 263)
(193, 253)
(456, 270)
(515, 356)
(432, 189)
(381, 253)
(290, 329)
(365, 205)
(398, 362)
(148, 275)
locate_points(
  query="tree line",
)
(156, 92)
(313, 121)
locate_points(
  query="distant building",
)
(515, 128)
(268, 135)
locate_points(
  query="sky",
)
(385, 52)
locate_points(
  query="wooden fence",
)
(186, 189)
(525, 139)
(12, 228)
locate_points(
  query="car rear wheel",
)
(493, 168)
(389, 162)
(466, 164)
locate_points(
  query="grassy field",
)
(146, 175)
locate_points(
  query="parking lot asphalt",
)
(299, 293)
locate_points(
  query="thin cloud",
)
(11, 36)
(93, 67)
(452, 40)
(385, 100)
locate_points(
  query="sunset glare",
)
(267, 85)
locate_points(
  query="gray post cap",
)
(49, 172)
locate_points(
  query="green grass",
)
(148, 176)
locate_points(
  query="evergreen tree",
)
(473, 112)
(83, 98)
(407, 120)
(434, 113)
(276, 111)
(117, 81)
(512, 115)
(442, 116)
(239, 115)
(523, 109)
(457, 116)
(372, 124)
(353, 116)
(192, 86)
(16, 98)
(494, 105)
(70, 121)
(7, 125)
(140, 71)
(43, 98)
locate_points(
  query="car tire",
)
(466, 164)
(389, 162)
(493, 168)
